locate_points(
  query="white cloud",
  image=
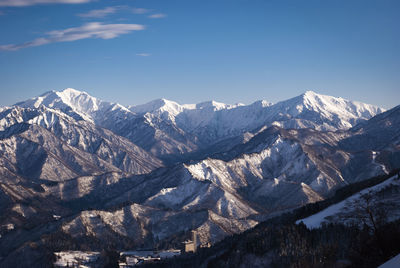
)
(89, 30)
(143, 54)
(21, 3)
(157, 16)
(100, 13)
(137, 10)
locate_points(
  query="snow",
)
(342, 113)
(67, 258)
(307, 110)
(331, 105)
(273, 169)
(88, 107)
(160, 106)
(315, 221)
(211, 121)
(164, 254)
(392, 263)
(378, 165)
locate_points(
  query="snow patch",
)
(315, 221)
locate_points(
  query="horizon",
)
(132, 52)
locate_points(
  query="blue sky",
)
(133, 51)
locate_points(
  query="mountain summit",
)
(321, 112)
(72, 101)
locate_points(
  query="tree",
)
(368, 210)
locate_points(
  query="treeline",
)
(292, 245)
(333, 245)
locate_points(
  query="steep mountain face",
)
(95, 164)
(57, 139)
(43, 147)
(386, 126)
(321, 112)
(78, 105)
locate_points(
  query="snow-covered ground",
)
(69, 258)
(145, 253)
(315, 221)
(392, 263)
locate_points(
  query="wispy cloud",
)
(157, 16)
(89, 30)
(100, 13)
(22, 3)
(138, 10)
(143, 54)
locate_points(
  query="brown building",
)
(191, 245)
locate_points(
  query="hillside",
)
(281, 242)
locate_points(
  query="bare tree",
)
(368, 210)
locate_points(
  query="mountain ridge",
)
(170, 130)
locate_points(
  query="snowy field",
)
(392, 263)
(331, 213)
(163, 254)
(69, 258)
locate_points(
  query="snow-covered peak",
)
(338, 105)
(72, 92)
(173, 108)
(310, 93)
(158, 106)
(214, 105)
(313, 100)
(80, 101)
(338, 113)
(71, 101)
(259, 103)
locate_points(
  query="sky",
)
(189, 51)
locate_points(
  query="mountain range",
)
(92, 170)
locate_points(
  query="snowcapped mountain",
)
(75, 103)
(170, 130)
(307, 110)
(159, 139)
(211, 121)
(321, 112)
(386, 126)
(225, 167)
(60, 138)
